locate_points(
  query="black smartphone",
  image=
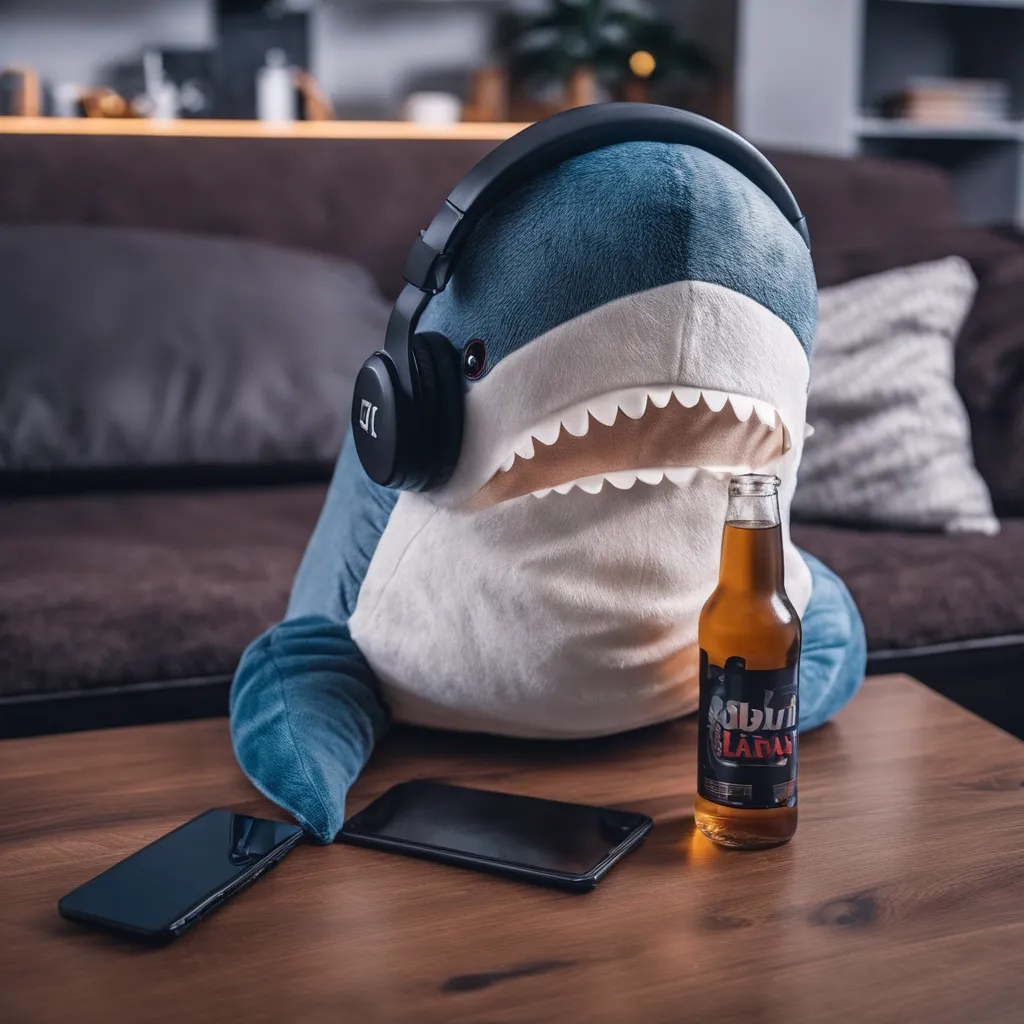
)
(166, 887)
(569, 846)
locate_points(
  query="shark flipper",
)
(834, 652)
(305, 705)
(305, 715)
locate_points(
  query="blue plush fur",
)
(616, 222)
(305, 706)
(305, 709)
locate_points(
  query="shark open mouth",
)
(644, 434)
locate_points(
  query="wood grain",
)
(900, 899)
(200, 128)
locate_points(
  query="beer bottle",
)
(749, 638)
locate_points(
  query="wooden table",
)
(900, 899)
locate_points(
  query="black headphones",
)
(407, 406)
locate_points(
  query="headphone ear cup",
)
(440, 407)
(381, 422)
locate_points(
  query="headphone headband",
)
(541, 146)
(570, 133)
(403, 434)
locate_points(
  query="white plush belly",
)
(564, 616)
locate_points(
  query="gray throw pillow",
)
(127, 348)
(891, 443)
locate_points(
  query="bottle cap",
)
(754, 485)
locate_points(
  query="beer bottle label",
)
(746, 751)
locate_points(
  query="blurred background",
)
(495, 60)
(940, 81)
(205, 208)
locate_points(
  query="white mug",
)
(433, 108)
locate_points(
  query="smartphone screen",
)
(573, 841)
(154, 891)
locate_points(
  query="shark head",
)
(648, 315)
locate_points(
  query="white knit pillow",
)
(891, 443)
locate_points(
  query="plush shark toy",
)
(648, 316)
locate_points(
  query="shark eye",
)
(474, 359)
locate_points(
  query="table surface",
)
(901, 897)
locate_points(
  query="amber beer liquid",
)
(749, 637)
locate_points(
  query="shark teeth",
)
(633, 402)
(660, 396)
(715, 400)
(765, 413)
(591, 484)
(576, 420)
(623, 480)
(525, 449)
(742, 406)
(681, 475)
(689, 397)
(604, 409)
(548, 431)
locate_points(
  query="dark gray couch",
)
(128, 597)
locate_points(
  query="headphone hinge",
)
(426, 268)
(429, 263)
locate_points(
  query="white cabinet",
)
(813, 74)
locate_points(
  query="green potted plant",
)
(586, 46)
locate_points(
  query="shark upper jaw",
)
(646, 435)
(674, 378)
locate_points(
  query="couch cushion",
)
(891, 443)
(120, 589)
(918, 589)
(990, 349)
(124, 348)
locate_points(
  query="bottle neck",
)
(752, 558)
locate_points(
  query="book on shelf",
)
(950, 101)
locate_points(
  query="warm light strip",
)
(256, 129)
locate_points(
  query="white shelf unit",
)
(813, 75)
(890, 128)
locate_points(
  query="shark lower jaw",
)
(638, 435)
